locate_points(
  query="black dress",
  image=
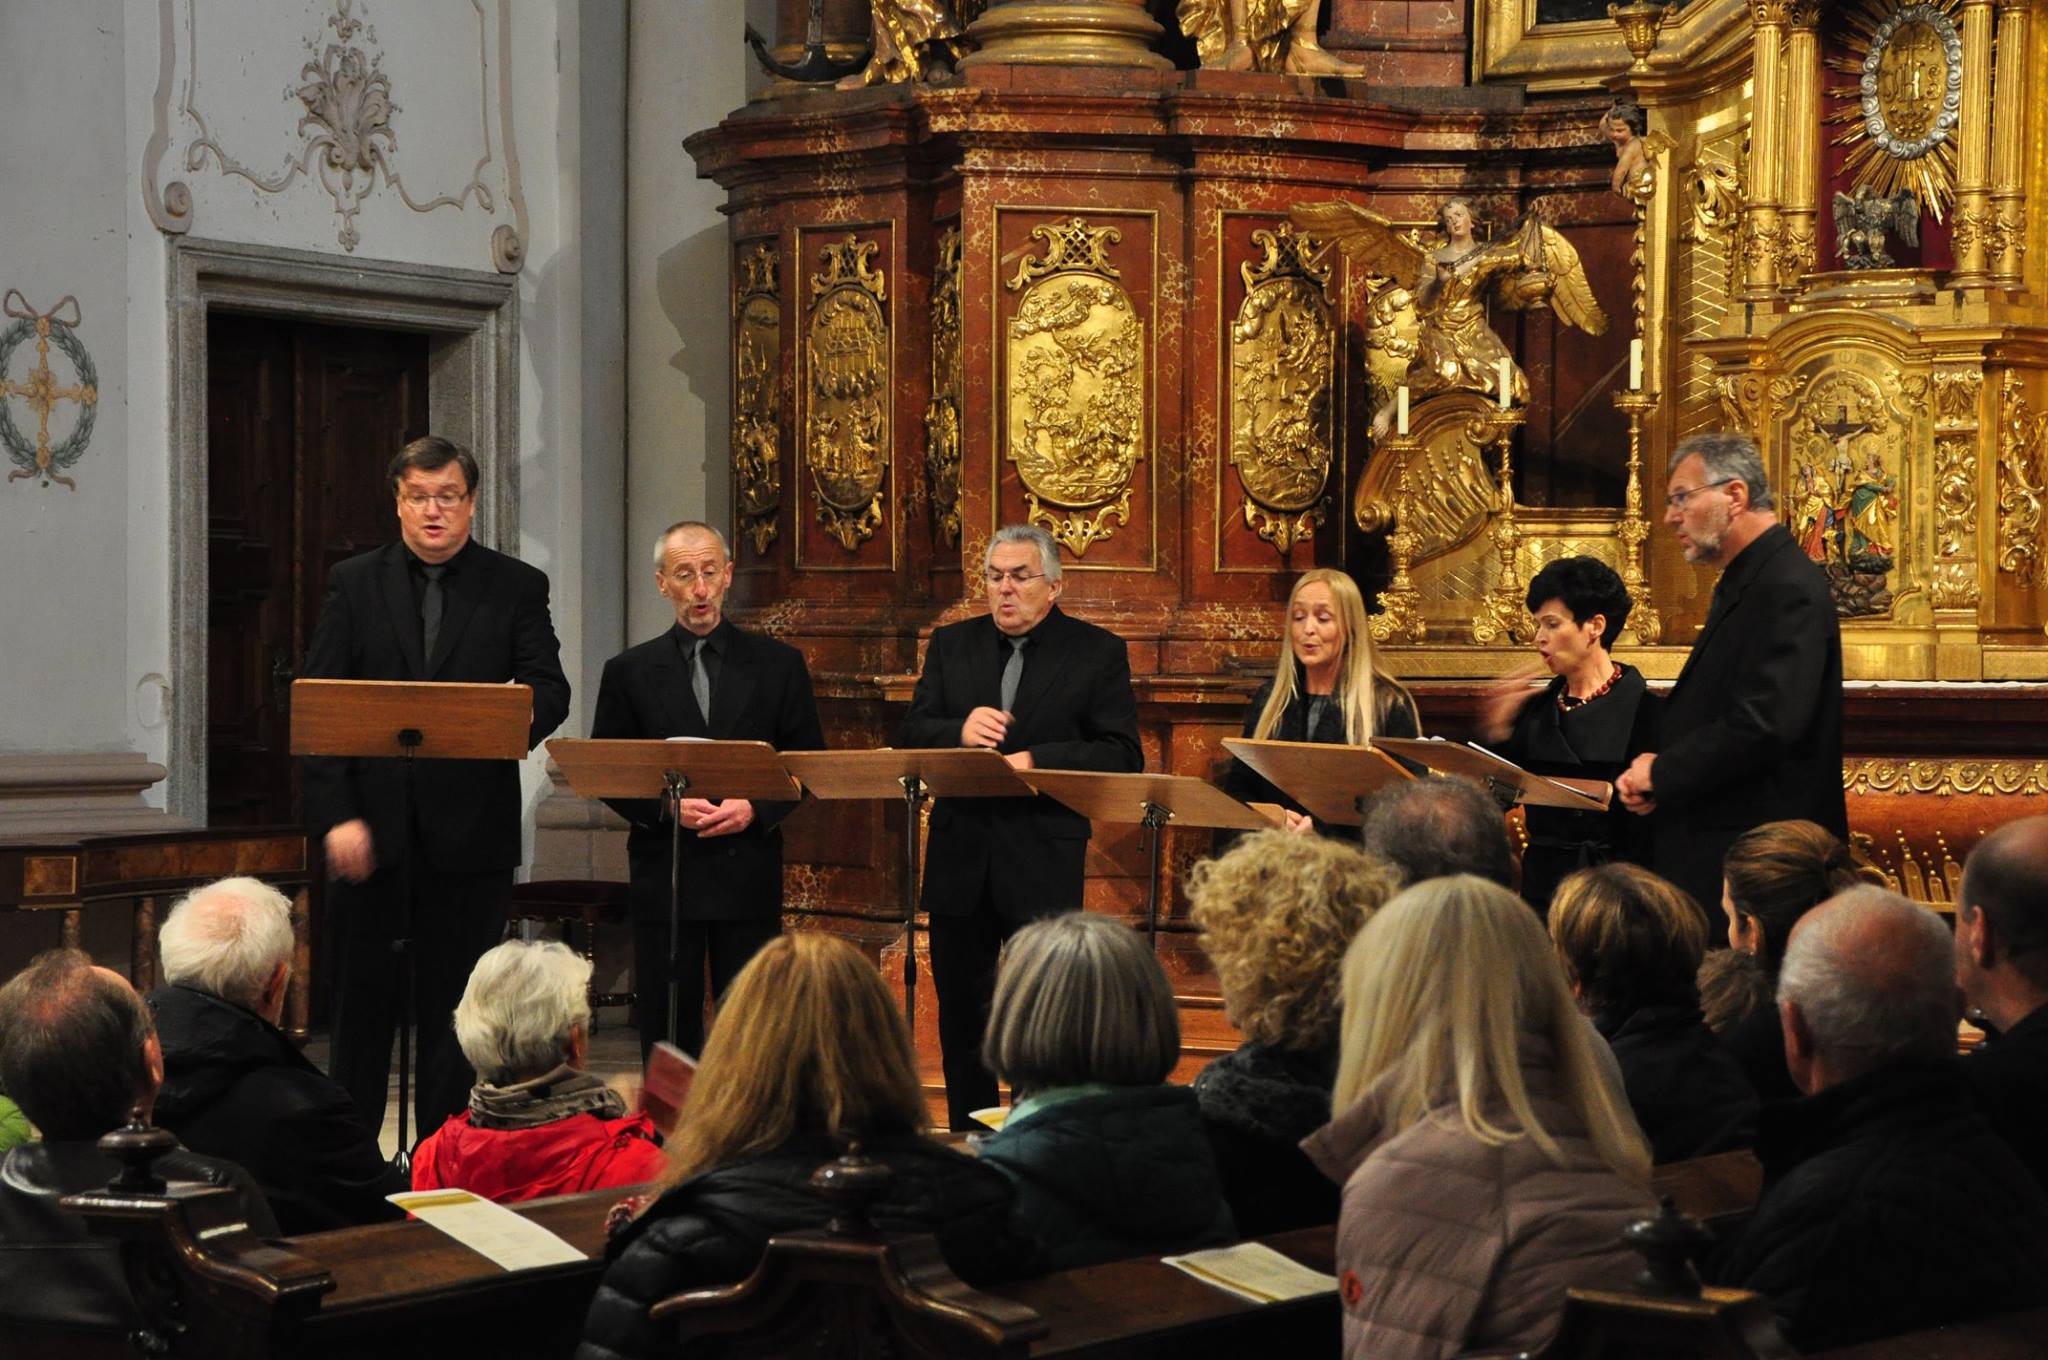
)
(1395, 717)
(1593, 740)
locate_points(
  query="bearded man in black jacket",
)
(236, 1086)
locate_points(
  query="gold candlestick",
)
(1400, 616)
(1634, 529)
(1503, 614)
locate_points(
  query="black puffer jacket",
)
(1889, 1205)
(1687, 1091)
(1257, 1105)
(1104, 1177)
(711, 1229)
(236, 1087)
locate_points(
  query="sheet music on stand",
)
(1469, 760)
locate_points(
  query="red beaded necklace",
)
(1567, 701)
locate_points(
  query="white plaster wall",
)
(689, 69)
(65, 554)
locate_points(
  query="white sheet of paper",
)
(1255, 1272)
(490, 1230)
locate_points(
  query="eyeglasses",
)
(1677, 499)
(1016, 576)
(447, 500)
(687, 578)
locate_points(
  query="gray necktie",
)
(430, 608)
(1013, 671)
(700, 681)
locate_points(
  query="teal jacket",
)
(1110, 1176)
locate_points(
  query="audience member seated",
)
(1434, 827)
(235, 1086)
(1771, 877)
(537, 1123)
(1107, 1160)
(79, 1056)
(1487, 1165)
(1889, 1203)
(2002, 968)
(1732, 984)
(1276, 914)
(14, 1126)
(1631, 945)
(809, 1051)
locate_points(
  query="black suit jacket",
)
(495, 628)
(1074, 711)
(1752, 731)
(762, 693)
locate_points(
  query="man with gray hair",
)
(1752, 730)
(1435, 827)
(1889, 1203)
(702, 677)
(235, 1086)
(1044, 689)
(2002, 969)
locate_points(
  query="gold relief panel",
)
(1847, 438)
(756, 386)
(1074, 368)
(2022, 482)
(1944, 777)
(942, 414)
(846, 390)
(1955, 522)
(1955, 398)
(1283, 355)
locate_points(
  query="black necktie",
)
(1013, 672)
(700, 680)
(431, 605)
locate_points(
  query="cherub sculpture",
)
(1635, 152)
(1261, 35)
(1862, 219)
(913, 40)
(1527, 269)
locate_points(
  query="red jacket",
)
(568, 1155)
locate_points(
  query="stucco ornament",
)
(37, 456)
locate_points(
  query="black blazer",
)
(1074, 711)
(1394, 716)
(762, 693)
(1752, 731)
(495, 628)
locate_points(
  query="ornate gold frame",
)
(1508, 43)
(808, 237)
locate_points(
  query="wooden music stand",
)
(409, 720)
(1502, 778)
(1151, 800)
(669, 770)
(915, 776)
(1331, 781)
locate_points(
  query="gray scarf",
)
(543, 1100)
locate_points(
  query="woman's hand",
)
(1500, 701)
(1299, 823)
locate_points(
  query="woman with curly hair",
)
(1276, 915)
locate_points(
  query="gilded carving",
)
(1770, 13)
(2022, 481)
(1742, 398)
(1899, 117)
(1847, 447)
(1283, 352)
(756, 373)
(1797, 253)
(1955, 521)
(2008, 232)
(846, 427)
(1076, 366)
(1714, 193)
(942, 413)
(1955, 397)
(1943, 777)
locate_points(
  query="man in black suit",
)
(1752, 731)
(433, 606)
(2002, 972)
(756, 689)
(1045, 689)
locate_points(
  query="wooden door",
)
(301, 421)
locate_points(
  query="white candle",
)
(1507, 367)
(1635, 365)
(1401, 410)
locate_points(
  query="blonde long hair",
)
(1359, 678)
(807, 1040)
(1440, 987)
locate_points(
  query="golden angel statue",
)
(1261, 35)
(913, 40)
(1636, 150)
(1527, 269)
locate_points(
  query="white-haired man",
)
(1044, 689)
(1889, 1203)
(235, 1086)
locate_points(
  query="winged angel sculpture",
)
(1528, 269)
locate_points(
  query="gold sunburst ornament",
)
(1899, 118)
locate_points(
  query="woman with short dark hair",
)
(1593, 718)
(1107, 1160)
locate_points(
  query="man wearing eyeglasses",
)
(1046, 690)
(703, 677)
(435, 605)
(1752, 730)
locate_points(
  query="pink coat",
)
(1445, 1244)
